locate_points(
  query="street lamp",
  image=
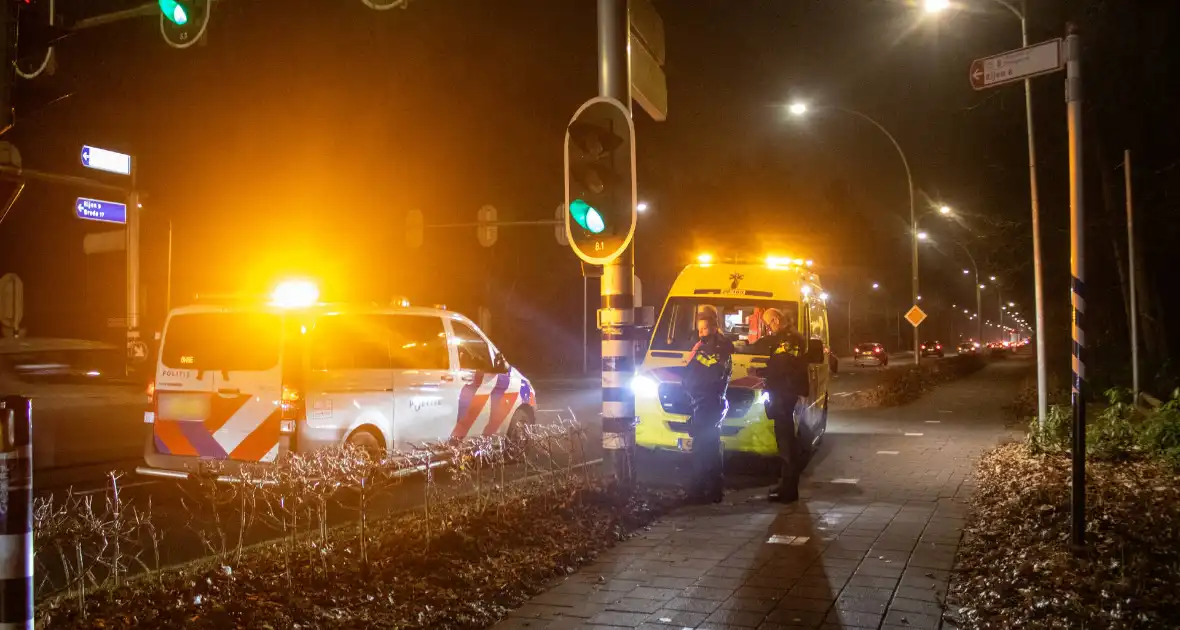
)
(876, 286)
(922, 236)
(641, 206)
(944, 210)
(799, 109)
(936, 6)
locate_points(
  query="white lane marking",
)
(945, 411)
(934, 422)
(914, 434)
(888, 452)
(843, 480)
(122, 486)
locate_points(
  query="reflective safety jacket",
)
(786, 368)
(709, 367)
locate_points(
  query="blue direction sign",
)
(98, 210)
(104, 160)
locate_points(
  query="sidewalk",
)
(870, 545)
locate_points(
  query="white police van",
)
(245, 382)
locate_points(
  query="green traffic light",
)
(174, 12)
(587, 216)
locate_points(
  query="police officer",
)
(706, 378)
(786, 380)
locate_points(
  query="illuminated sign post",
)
(104, 160)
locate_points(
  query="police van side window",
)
(418, 342)
(350, 342)
(473, 350)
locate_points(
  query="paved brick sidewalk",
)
(870, 545)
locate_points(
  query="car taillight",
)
(876, 350)
(293, 408)
(938, 347)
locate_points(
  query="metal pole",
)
(850, 326)
(16, 513)
(1131, 258)
(1073, 98)
(168, 289)
(133, 217)
(618, 355)
(585, 325)
(1039, 298)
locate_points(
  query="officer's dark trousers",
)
(705, 430)
(782, 412)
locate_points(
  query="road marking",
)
(934, 422)
(945, 411)
(914, 434)
(849, 481)
(887, 452)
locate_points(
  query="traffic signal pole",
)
(617, 314)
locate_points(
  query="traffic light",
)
(600, 180)
(183, 22)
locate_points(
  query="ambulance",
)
(245, 382)
(741, 292)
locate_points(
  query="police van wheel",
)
(368, 440)
(518, 433)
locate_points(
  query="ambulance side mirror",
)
(815, 351)
(500, 364)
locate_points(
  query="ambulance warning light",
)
(295, 294)
(705, 259)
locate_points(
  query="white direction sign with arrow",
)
(104, 160)
(1017, 65)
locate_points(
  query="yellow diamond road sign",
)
(915, 316)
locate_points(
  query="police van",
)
(741, 292)
(246, 382)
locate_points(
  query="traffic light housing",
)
(600, 180)
(183, 22)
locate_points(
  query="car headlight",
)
(644, 386)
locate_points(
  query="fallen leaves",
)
(1016, 568)
(464, 580)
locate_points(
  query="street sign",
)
(98, 210)
(105, 242)
(915, 316)
(649, 84)
(104, 160)
(1017, 65)
(487, 234)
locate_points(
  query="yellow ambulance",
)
(741, 291)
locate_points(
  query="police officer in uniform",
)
(786, 380)
(706, 378)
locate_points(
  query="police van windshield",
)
(741, 321)
(234, 341)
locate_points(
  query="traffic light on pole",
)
(600, 180)
(183, 22)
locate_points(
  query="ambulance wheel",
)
(368, 439)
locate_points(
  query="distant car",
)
(969, 347)
(932, 349)
(998, 349)
(869, 353)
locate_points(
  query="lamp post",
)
(800, 109)
(1021, 13)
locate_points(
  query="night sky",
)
(296, 138)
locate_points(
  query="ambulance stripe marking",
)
(526, 393)
(470, 404)
(501, 405)
(260, 441)
(200, 440)
(168, 432)
(222, 409)
(160, 446)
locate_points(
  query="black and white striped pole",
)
(1077, 267)
(16, 513)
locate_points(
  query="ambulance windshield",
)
(741, 321)
(233, 341)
